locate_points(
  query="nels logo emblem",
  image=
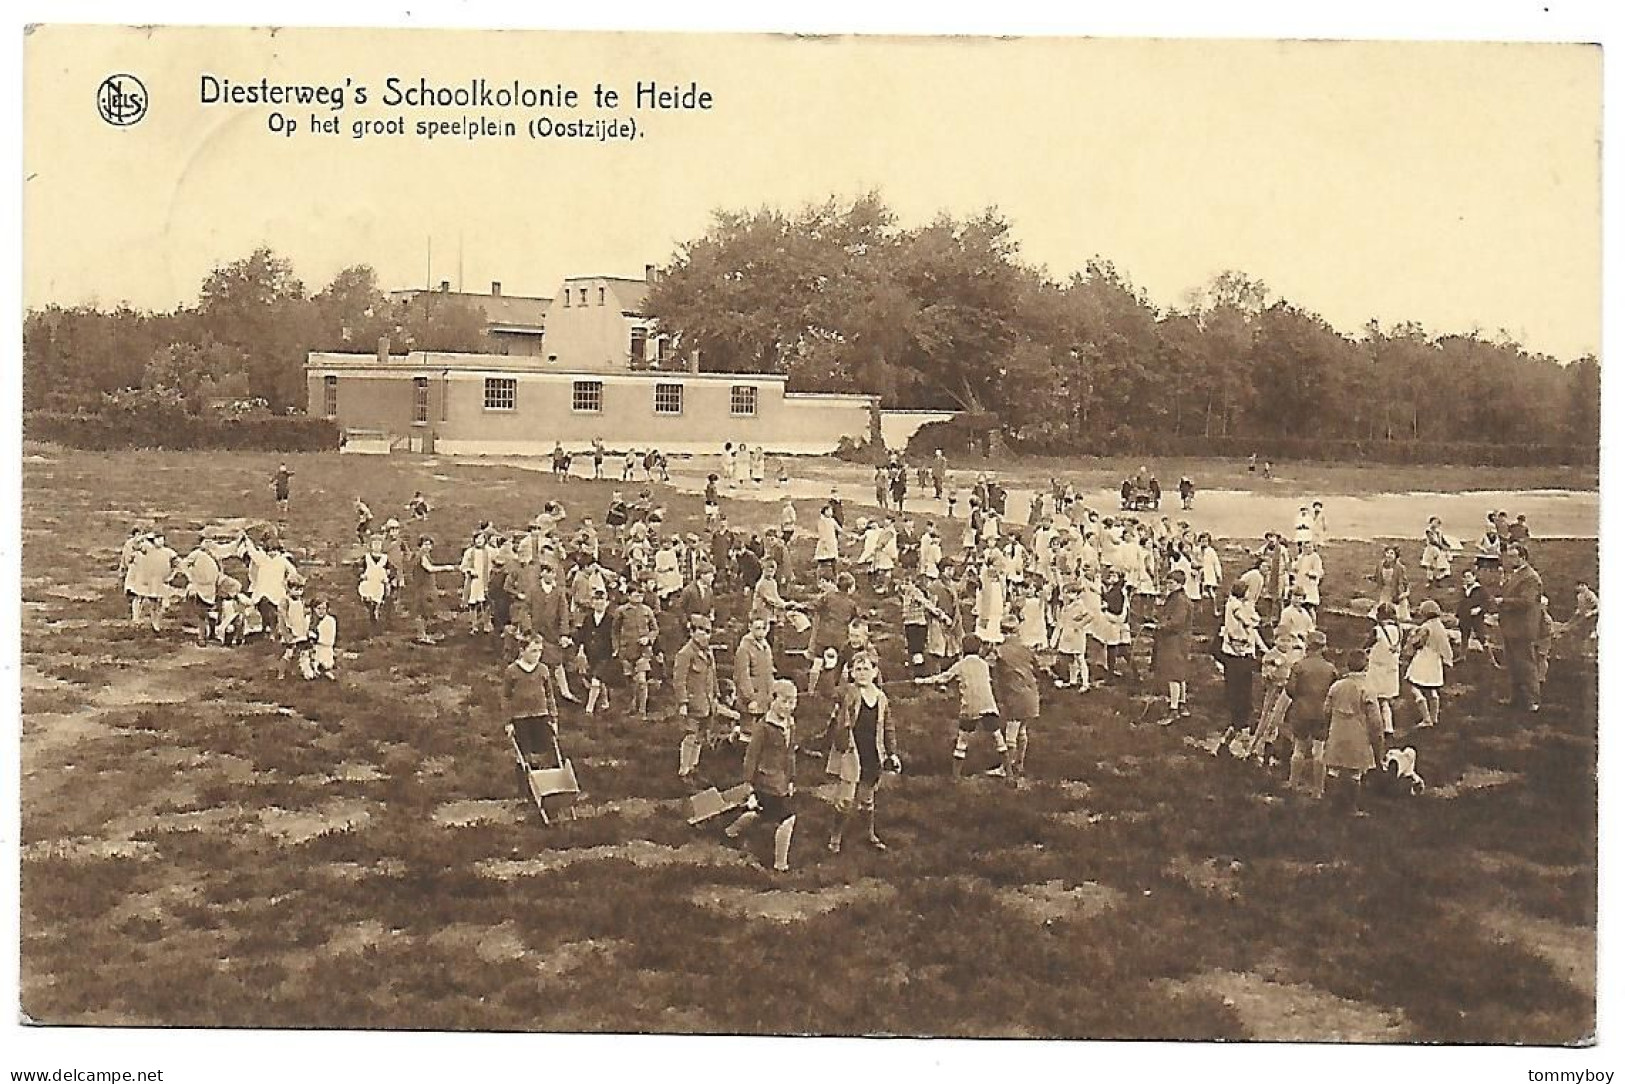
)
(121, 100)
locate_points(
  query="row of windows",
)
(587, 397)
(583, 292)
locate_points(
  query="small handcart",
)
(546, 776)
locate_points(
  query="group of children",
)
(577, 608)
(743, 465)
(1341, 722)
(232, 586)
(651, 461)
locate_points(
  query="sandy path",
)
(1226, 513)
(1244, 514)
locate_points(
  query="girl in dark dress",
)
(864, 745)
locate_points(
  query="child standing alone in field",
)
(713, 501)
(770, 772)
(281, 482)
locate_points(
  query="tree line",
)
(246, 338)
(840, 297)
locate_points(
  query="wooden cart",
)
(549, 779)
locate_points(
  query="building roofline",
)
(426, 363)
(849, 396)
(465, 293)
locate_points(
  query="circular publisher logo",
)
(121, 100)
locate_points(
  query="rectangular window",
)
(420, 400)
(668, 398)
(600, 295)
(640, 348)
(587, 396)
(330, 396)
(501, 393)
(583, 295)
(742, 401)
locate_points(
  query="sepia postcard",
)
(723, 534)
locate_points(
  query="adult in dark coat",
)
(1521, 590)
(549, 606)
(549, 613)
(749, 563)
(1173, 643)
(699, 599)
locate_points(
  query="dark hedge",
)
(259, 433)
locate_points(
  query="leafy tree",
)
(840, 297)
(433, 321)
(1228, 311)
(352, 313)
(191, 371)
(1582, 420)
(1112, 331)
(1297, 366)
(258, 307)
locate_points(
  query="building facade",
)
(596, 322)
(592, 322)
(481, 404)
(584, 364)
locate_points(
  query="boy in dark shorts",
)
(977, 708)
(770, 772)
(1017, 671)
(694, 680)
(832, 615)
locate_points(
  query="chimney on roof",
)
(445, 286)
(693, 361)
(496, 288)
(650, 274)
(383, 349)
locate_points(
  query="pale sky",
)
(1454, 184)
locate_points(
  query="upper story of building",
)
(591, 323)
(513, 324)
